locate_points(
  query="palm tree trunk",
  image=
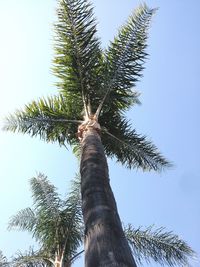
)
(57, 261)
(105, 243)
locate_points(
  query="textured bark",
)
(105, 243)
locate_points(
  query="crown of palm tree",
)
(94, 83)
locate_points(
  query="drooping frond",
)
(24, 220)
(124, 61)
(163, 247)
(47, 206)
(72, 215)
(77, 50)
(130, 148)
(45, 196)
(32, 258)
(51, 120)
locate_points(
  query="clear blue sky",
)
(169, 115)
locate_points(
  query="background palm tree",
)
(147, 244)
(95, 91)
(56, 224)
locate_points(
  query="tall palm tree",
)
(56, 224)
(53, 234)
(96, 88)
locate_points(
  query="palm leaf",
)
(45, 196)
(77, 52)
(163, 247)
(47, 205)
(51, 119)
(32, 258)
(124, 61)
(72, 219)
(24, 220)
(129, 148)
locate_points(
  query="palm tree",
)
(56, 224)
(53, 234)
(96, 88)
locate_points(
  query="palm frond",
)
(45, 196)
(31, 258)
(24, 220)
(47, 206)
(130, 148)
(124, 61)
(77, 51)
(72, 216)
(49, 119)
(3, 260)
(163, 247)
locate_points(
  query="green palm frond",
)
(72, 218)
(78, 52)
(45, 197)
(32, 258)
(129, 148)
(124, 61)
(48, 206)
(163, 247)
(24, 220)
(50, 119)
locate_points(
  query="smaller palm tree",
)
(57, 225)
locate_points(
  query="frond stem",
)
(75, 256)
(78, 61)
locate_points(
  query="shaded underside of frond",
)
(159, 245)
(78, 53)
(52, 120)
(129, 148)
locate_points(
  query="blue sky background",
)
(169, 115)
